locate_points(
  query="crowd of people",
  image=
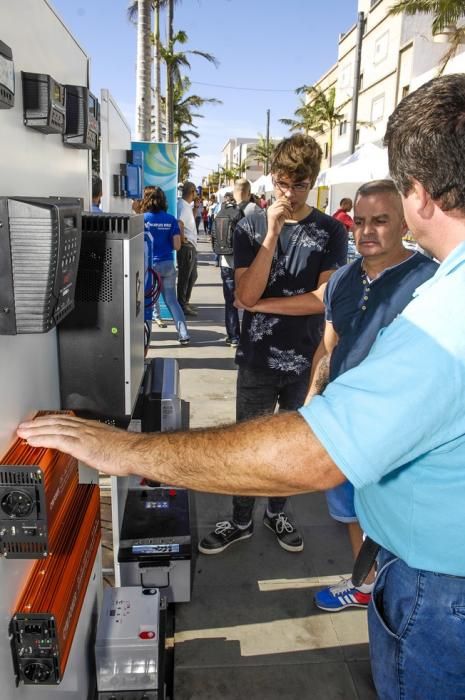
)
(368, 362)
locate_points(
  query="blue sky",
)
(270, 47)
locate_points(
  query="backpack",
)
(223, 228)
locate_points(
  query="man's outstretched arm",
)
(271, 456)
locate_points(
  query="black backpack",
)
(223, 228)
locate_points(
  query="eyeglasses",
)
(286, 186)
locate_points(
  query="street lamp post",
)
(267, 140)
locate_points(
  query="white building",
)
(398, 54)
(236, 151)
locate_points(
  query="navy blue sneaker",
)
(343, 595)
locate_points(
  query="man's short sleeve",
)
(175, 230)
(244, 248)
(328, 296)
(398, 404)
(335, 255)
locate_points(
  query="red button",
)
(147, 635)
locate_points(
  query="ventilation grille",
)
(25, 549)
(19, 478)
(95, 279)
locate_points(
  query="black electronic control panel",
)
(35, 647)
(40, 240)
(7, 77)
(43, 103)
(155, 522)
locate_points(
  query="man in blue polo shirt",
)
(360, 299)
(394, 426)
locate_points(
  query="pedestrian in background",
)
(163, 229)
(187, 253)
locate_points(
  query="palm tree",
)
(142, 9)
(446, 15)
(169, 116)
(262, 151)
(184, 104)
(319, 115)
(186, 153)
(174, 60)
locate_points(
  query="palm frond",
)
(445, 12)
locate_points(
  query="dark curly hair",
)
(154, 200)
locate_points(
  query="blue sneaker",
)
(343, 595)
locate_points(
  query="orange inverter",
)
(34, 482)
(47, 612)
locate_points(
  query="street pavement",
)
(251, 629)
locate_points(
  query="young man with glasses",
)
(280, 258)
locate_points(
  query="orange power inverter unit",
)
(47, 612)
(34, 483)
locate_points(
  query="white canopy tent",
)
(369, 162)
(262, 185)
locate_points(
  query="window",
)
(377, 108)
(381, 48)
(360, 81)
(357, 136)
(405, 91)
(342, 128)
(326, 151)
(346, 76)
(373, 3)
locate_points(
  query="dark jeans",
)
(258, 394)
(416, 621)
(187, 272)
(231, 314)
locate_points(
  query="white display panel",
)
(115, 141)
(34, 163)
(37, 164)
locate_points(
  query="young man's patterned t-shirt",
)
(305, 249)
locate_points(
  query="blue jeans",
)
(258, 394)
(167, 272)
(417, 633)
(231, 314)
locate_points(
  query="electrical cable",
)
(236, 87)
(152, 294)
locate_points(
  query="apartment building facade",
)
(398, 54)
(236, 151)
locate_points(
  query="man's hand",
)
(277, 214)
(96, 444)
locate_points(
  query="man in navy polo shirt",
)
(361, 299)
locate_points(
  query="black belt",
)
(365, 560)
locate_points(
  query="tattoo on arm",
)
(322, 374)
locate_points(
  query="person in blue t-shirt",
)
(163, 234)
(360, 300)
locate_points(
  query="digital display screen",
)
(7, 75)
(133, 180)
(58, 93)
(155, 549)
(69, 222)
(158, 505)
